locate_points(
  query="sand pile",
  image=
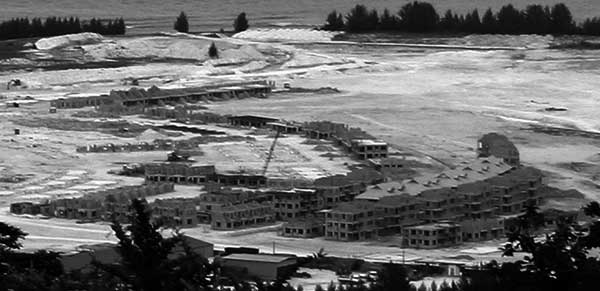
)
(171, 48)
(150, 135)
(244, 52)
(287, 34)
(68, 40)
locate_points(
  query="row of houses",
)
(230, 208)
(475, 209)
(157, 145)
(183, 173)
(359, 143)
(154, 95)
(100, 205)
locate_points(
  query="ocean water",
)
(147, 16)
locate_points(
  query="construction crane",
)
(270, 153)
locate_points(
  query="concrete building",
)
(184, 173)
(295, 203)
(365, 149)
(497, 145)
(442, 204)
(322, 129)
(78, 208)
(176, 212)
(240, 180)
(99, 205)
(261, 266)
(389, 163)
(250, 120)
(433, 235)
(153, 96)
(482, 229)
(179, 173)
(242, 215)
(356, 141)
(286, 127)
(137, 147)
(517, 190)
(218, 196)
(24, 208)
(306, 227)
(352, 221)
(399, 212)
(80, 102)
(464, 173)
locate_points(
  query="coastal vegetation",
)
(52, 26)
(422, 17)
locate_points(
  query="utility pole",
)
(273, 247)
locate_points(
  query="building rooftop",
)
(253, 118)
(369, 142)
(466, 172)
(434, 226)
(267, 258)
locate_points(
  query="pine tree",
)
(241, 23)
(213, 52)
(146, 263)
(387, 21)
(562, 19)
(334, 22)
(418, 17)
(510, 20)
(181, 24)
(489, 23)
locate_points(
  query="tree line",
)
(52, 26)
(422, 17)
(565, 259)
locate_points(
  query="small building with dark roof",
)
(108, 253)
(262, 266)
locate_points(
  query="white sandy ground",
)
(286, 34)
(426, 101)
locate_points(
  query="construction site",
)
(312, 157)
